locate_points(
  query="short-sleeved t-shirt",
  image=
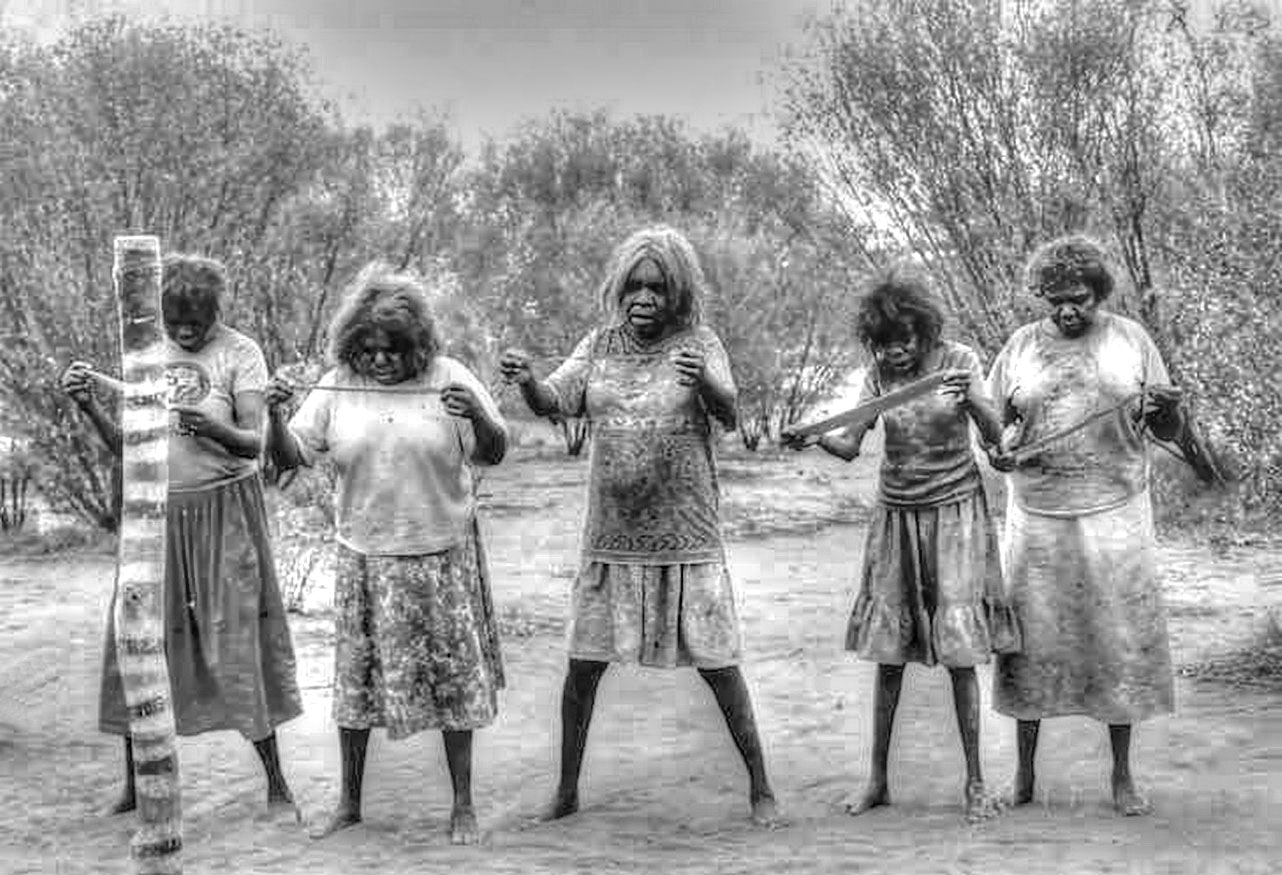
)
(404, 475)
(229, 364)
(652, 480)
(1049, 382)
(929, 456)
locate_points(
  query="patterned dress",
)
(931, 589)
(652, 587)
(1079, 544)
(227, 640)
(417, 644)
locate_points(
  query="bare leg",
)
(458, 753)
(979, 805)
(128, 800)
(578, 697)
(277, 789)
(1126, 798)
(890, 680)
(1026, 733)
(353, 744)
(732, 696)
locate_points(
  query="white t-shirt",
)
(404, 475)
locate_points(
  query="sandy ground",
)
(663, 791)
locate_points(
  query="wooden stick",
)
(119, 386)
(873, 407)
(1022, 454)
(140, 597)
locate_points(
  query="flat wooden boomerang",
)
(874, 407)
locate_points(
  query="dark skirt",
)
(932, 588)
(231, 660)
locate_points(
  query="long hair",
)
(381, 297)
(898, 300)
(678, 263)
(1066, 261)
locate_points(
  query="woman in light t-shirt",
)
(417, 639)
(231, 660)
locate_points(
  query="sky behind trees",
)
(491, 63)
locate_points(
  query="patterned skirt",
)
(1088, 594)
(660, 616)
(932, 588)
(417, 641)
(231, 660)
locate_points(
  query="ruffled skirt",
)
(932, 588)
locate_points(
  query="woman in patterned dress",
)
(931, 589)
(652, 587)
(231, 660)
(417, 638)
(1079, 543)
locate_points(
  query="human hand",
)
(791, 440)
(1160, 403)
(460, 400)
(959, 386)
(514, 364)
(279, 391)
(77, 381)
(690, 366)
(193, 421)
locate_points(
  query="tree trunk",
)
(139, 604)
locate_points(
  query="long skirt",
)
(932, 588)
(660, 616)
(227, 641)
(1088, 594)
(417, 641)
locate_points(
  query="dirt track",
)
(664, 791)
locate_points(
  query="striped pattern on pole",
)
(140, 629)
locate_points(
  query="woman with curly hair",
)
(231, 660)
(417, 638)
(652, 586)
(931, 589)
(1077, 390)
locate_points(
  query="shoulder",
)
(704, 336)
(238, 342)
(1124, 325)
(1022, 337)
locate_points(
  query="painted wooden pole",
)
(140, 601)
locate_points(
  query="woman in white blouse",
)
(417, 640)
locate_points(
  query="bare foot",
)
(1128, 800)
(126, 803)
(463, 827)
(980, 805)
(875, 795)
(1022, 792)
(330, 823)
(562, 805)
(765, 812)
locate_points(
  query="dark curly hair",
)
(1067, 261)
(898, 302)
(394, 301)
(192, 288)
